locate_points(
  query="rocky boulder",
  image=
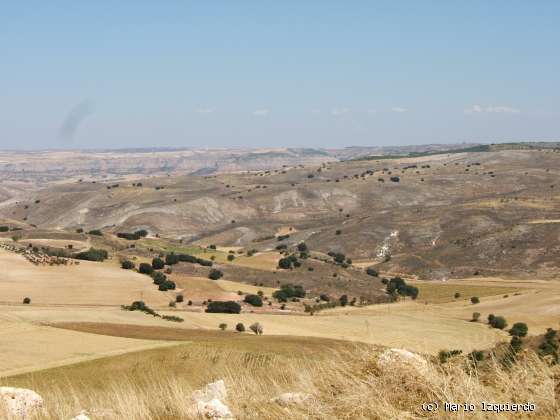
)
(209, 401)
(399, 359)
(19, 402)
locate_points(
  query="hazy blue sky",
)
(264, 73)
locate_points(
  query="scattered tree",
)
(519, 329)
(215, 274)
(256, 328)
(145, 268)
(157, 263)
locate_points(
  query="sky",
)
(305, 73)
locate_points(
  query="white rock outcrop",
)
(397, 359)
(215, 390)
(213, 409)
(292, 398)
(209, 401)
(82, 416)
(19, 402)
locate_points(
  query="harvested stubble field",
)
(29, 347)
(88, 283)
(440, 292)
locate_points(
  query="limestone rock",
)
(19, 402)
(392, 359)
(289, 398)
(213, 409)
(215, 390)
(209, 401)
(81, 416)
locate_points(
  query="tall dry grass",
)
(343, 385)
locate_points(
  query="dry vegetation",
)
(344, 382)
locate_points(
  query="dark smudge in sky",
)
(73, 121)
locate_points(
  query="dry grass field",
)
(343, 381)
(88, 283)
(29, 347)
(413, 326)
(233, 286)
(440, 292)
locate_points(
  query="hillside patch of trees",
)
(227, 307)
(288, 291)
(133, 236)
(92, 254)
(171, 259)
(397, 286)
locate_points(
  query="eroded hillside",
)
(446, 215)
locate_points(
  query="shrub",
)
(95, 232)
(179, 298)
(158, 263)
(256, 328)
(4, 228)
(476, 355)
(338, 232)
(519, 329)
(372, 272)
(499, 322)
(302, 247)
(145, 268)
(172, 304)
(254, 300)
(222, 326)
(79, 230)
(343, 300)
(240, 327)
(445, 355)
(324, 297)
(215, 274)
(516, 344)
(475, 316)
(231, 257)
(172, 318)
(475, 300)
(139, 305)
(229, 307)
(92, 254)
(26, 300)
(549, 345)
(457, 295)
(127, 265)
